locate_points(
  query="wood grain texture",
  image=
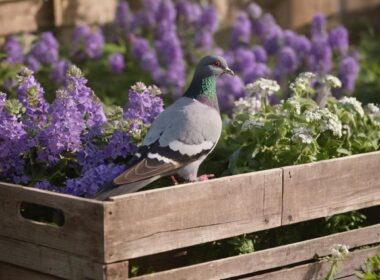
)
(12, 272)
(19, 16)
(49, 261)
(318, 270)
(175, 217)
(81, 234)
(329, 187)
(270, 258)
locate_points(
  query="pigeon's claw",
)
(174, 180)
(205, 177)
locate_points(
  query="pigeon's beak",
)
(229, 71)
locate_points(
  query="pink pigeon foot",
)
(206, 177)
(174, 180)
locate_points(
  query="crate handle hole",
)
(42, 214)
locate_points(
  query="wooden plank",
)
(49, 261)
(84, 11)
(19, 16)
(329, 187)
(166, 219)
(12, 272)
(270, 258)
(82, 232)
(317, 270)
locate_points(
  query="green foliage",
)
(371, 269)
(299, 131)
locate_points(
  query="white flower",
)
(354, 103)
(331, 122)
(372, 109)
(154, 90)
(332, 81)
(302, 82)
(311, 116)
(262, 86)
(295, 104)
(249, 124)
(339, 251)
(250, 105)
(139, 87)
(302, 135)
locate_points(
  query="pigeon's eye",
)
(217, 63)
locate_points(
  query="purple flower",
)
(274, 42)
(143, 106)
(94, 44)
(59, 70)
(13, 144)
(90, 182)
(31, 95)
(265, 27)
(32, 63)
(254, 10)
(190, 11)
(260, 54)
(318, 27)
(320, 59)
(140, 46)
(13, 50)
(241, 31)
(63, 133)
(348, 72)
(120, 145)
(259, 70)
(244, 60)
(338, 38)
(287, 60)
(203, 39)
(209, 19)
(166, 11)
(46, 49)
(86, 101)
(302, 45)
(116, 63)
(123, 16)
(229, 88)
(86, 44)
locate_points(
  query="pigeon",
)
(180, 138)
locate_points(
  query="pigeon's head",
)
(213, 65)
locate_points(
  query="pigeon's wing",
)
(184, 132)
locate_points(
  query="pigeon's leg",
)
(205, 177)
(174, 180)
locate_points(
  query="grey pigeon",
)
(181, 137)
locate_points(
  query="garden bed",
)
(97, 239)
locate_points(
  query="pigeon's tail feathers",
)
(123, 189)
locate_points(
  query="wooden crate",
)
(18, 16)
(98, 239)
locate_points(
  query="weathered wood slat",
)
(317, 270)
(49, 261)
(329, 187)
(270, 258)
(81, 234)
(175, 217)
(12, 272)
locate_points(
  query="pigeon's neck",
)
(203, 89)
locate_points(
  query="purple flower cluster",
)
(290, 52)
(44, 51)
(86, 101)
(31, 95)
(13, 145)
(71, 142)
(116, 63)
(142, 105)
(86, 44)
(13, 50)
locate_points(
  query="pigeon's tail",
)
(113, 190)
